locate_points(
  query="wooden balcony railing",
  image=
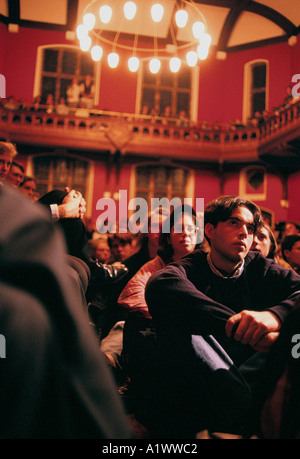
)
(110, 131)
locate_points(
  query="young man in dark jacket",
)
(217, 315)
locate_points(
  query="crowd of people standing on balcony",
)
(79, 100)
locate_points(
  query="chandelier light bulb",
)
(113, 60)
(181, 18)
(191, 58)
(96, 53)
(81, 31)
(175, 64)
(129, 10)
(89, 21)
(198, 29)
(157, 12)
(202, 52)
(133, 64)
(105, 13)
(205, 40)
(154, 65)
(85, 43)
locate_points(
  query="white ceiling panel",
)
(51, 11)
(250, 28)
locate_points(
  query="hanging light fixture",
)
(113, 60)
(157, 12)
(154, 65)
(89, 21)
(175, 64)
(85, 43)
(129, 10)
(188, 43)
(181, 18)
(191, 58)
(105, 13)
(96, 53)
(133, 63)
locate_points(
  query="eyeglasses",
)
(188, 229)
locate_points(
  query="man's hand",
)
(254, 328)
(73, 205)
(266, 342)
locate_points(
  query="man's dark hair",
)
(14, 163)
(288, 243)
(221, 209)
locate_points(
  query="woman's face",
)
(261, 242)
(183, 236)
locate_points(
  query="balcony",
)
(99, 131)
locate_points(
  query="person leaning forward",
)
(217, 316)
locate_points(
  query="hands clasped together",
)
(258, 329)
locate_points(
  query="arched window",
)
(57, 172)
(163, 181)
(57, 66)
(167, 93)
(256, 88)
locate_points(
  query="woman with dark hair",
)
(264, 242)
(178, 237)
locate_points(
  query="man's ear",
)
(286, 253)
(208, 230)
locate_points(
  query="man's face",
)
(231, 240)
(29, 188)
(5, 164)
(15, 176)
(293, 255)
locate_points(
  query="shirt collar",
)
(235, 274)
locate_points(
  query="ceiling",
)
(234, 25)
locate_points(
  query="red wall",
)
(221, 82)
(220, 99)
(3, 32)
(293, 194)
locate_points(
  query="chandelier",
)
(152, 29)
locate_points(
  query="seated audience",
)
(289, 229)
(7, 154)
(50, 104)
(28, 187)
(178, 237)
(120, 246)
(36, 104)
(16, 174)
(73, 93)
(290, 249)
(61, 107)
(100, 250)
(54, 382)
(145, 250)
(87, 92)
(216, 316)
